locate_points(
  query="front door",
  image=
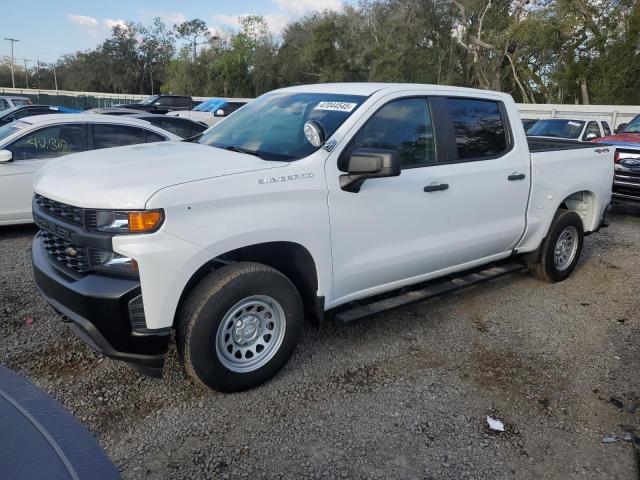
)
(394, 231)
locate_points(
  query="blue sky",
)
(49, 28)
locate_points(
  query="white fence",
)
(614, 114)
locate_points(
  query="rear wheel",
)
(239, 326)
(561, 248)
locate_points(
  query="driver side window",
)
(48, 142)
(403, 125)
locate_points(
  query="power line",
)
(12, 40)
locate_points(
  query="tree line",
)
(545, 51)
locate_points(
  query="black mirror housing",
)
(366, 163)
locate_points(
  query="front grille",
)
(627, 183)
(60, 210)
(74, 257)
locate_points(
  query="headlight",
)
(138, 221)
(114, 263)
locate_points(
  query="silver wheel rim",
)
(566, 248)
(250, 333)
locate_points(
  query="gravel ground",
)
(402, 395)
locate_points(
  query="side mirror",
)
(620, 127)
(365, 163)
(6, 156)
(219, 113)
(157, 104)
(590, 136)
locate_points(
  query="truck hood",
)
(126, 177)
(631, 140)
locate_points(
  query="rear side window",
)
(478, 127)
(403, 125)
(19, 102)
(605, 128)
(48, 142)
(3, 104)
(179, 126)
(107, 136)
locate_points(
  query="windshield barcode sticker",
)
(336, 106)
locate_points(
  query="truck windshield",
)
(633, 126)
(210, 105)
(272, 126)
(149, 100)
(556, 128)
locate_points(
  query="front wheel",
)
(239, 326)
(561, 248)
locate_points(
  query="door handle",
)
(516, 176)
(437, 187)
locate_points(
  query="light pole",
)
(26, 71)
(12, 40)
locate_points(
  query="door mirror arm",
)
(366, 163)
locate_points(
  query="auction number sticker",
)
(574, 124)
(336, 106)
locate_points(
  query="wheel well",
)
(291, 259)
(584, 204)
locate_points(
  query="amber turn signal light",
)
(146, 221)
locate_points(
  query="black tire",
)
(545, 268)
(205, 308)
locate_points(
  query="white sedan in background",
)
(211, 111)
(27, 144)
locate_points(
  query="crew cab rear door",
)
(393, 230)
(489, 174)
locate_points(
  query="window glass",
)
(210, 105)
(171, 124)
(592, 127)
(3, 104)
(557, 128)
(154, 137)
(48, 142)
(272, 126)
(107, 136)
(633, 126)
(478, 128)
(403, 125)
(29, 112)
(605, 128)
(19, 102)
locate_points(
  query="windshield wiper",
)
(233, 148)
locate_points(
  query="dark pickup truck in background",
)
(161, 104)
(626, 184)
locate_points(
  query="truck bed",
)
(544, 144)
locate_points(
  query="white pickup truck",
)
(307, 199)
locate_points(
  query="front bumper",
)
(97, 310)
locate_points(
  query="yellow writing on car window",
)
(51, 144)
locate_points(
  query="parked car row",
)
(26, 145)
(626, 140)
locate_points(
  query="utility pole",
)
(38, 71)
(26, 71)
(55, 78)
(12, 40)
